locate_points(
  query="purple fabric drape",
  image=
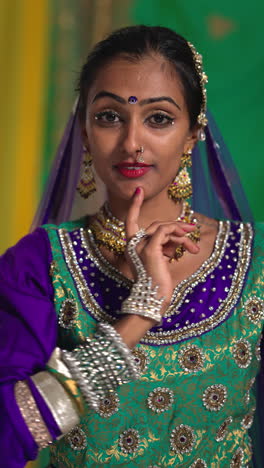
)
(28, 336)
(57, 200)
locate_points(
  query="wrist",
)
(132, 328)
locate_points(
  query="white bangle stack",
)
(101, 364)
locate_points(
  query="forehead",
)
(144, 78)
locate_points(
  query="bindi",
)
(132, 100)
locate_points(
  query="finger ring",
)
(179, 251)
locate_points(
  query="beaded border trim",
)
(169, 337)
(95, 255)
(31, 414)
(224, 308)
(183, 288)
(84, 292)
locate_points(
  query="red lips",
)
(132, 164)
(133, 170)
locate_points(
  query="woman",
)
(159, 309)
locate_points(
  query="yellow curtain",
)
(24, 34)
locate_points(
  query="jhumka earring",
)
(86, 185)
(181, 188)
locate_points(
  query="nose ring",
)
(139, 157)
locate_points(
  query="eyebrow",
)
(121, 100)
(103, 94)
(159, 99)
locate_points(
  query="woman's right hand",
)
(158, 248)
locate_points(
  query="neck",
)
(159, 208)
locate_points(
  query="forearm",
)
(39, 409)
(132, 328)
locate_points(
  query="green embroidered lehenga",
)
(195, 402)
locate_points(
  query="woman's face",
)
(116, 129)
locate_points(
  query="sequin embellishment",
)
(258, 349)
(160, 399)
(77, 439)
(53, 268)
(249, 388)
(223, 429)
(214, 397)
(68, 313)
(30, 412)
(237, 459)
(242, 353)
(199, 463)
(109, 405)
(191, 358)
(141, 359)
(254, 308)
(247, 421)
(182, 439)
(129, 441)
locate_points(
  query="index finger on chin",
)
(131, 222)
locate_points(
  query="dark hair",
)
(135, 42)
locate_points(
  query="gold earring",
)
(181, 188)
(86, 185)
(186, 159)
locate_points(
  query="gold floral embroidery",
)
(199, 463)
(258, 348)
(247, 421)
(237, 459)
(141, 358)
(160, 399)
(77, 438)
(214, 397)
(53, 267)
(68, 313)
(191, 358)
(254, 308)
(249, 388)
(242, 353)
(182, 439)
(129, 441)
(223, 429)
(109, 405)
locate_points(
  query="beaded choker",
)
(109, 231)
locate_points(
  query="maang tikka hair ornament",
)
(181, 188)
(201, 119)
(86, 185)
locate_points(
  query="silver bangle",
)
(143, 299)
(100, 364)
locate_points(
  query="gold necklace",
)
(109, 231)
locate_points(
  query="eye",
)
(107, 117)
(160, 120)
